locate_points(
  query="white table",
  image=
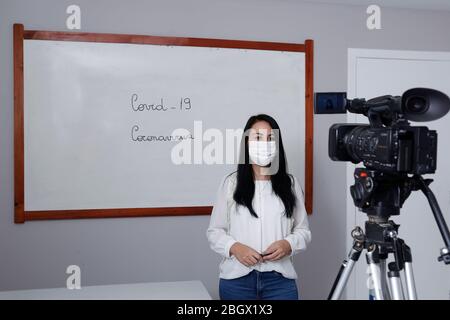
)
(180, 290)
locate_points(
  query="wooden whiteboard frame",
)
(20, 34)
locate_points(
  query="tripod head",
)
(381, 195)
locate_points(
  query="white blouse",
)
(232, 223)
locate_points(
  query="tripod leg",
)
(344, 273)
(396, 266)
(409, 275)
(410, 284)
(396, 285)
(374, 264)
(383, 274)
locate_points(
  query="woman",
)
(259, 220)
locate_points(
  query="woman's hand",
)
(246, 255)
(277, 250)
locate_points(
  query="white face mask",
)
(262, 152)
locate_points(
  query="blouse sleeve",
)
(218, 238)
(300, 235)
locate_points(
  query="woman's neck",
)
(257, 173)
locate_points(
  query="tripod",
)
(376, 194)
(377, 254)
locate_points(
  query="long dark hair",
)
(281, 180)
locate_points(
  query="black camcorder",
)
(395, 155)
(389, 143)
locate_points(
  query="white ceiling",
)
(410, 4)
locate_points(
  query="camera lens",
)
(416, 104)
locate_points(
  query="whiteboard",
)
(378, 72)
(81, 148)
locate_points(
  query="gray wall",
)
(35, 254)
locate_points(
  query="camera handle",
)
(423, 184)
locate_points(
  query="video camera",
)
(394, 153)
(389, 143)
